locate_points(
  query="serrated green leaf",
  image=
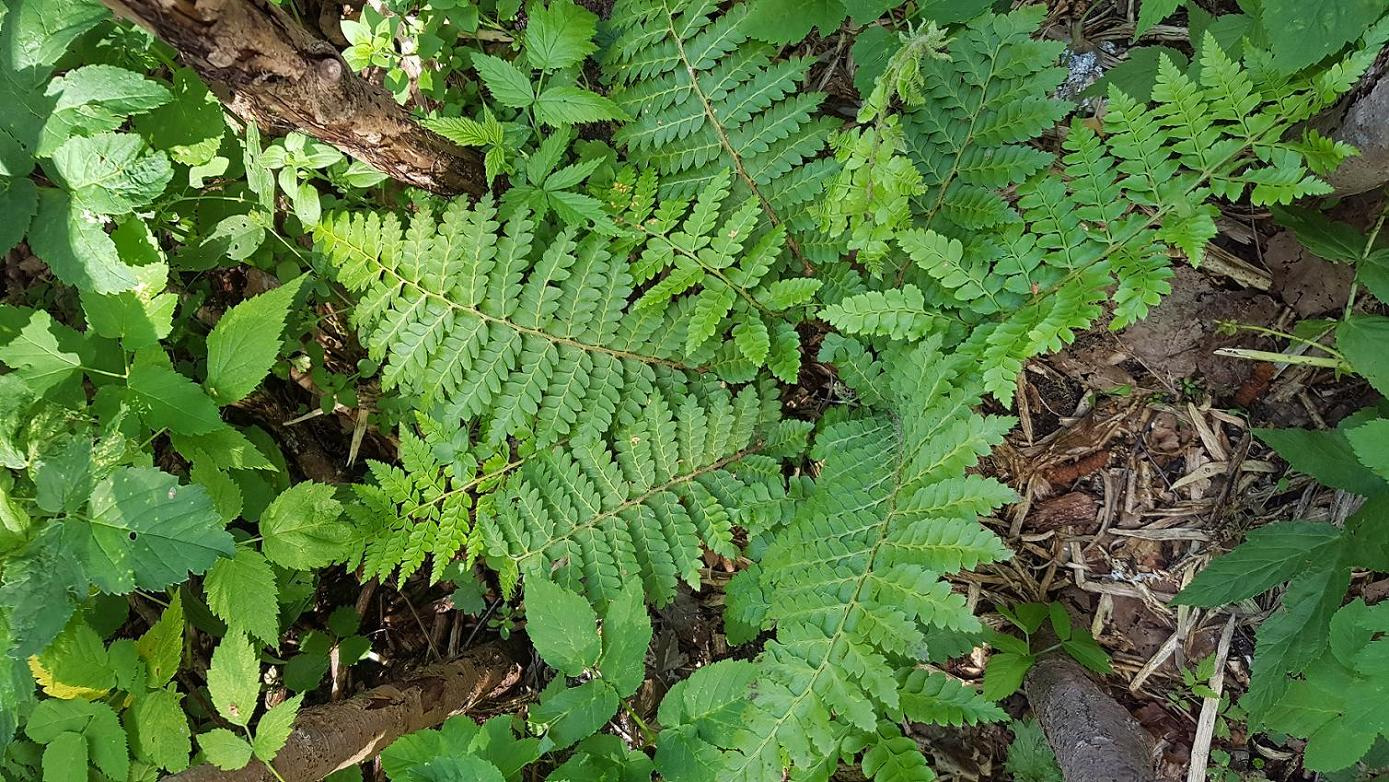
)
(65, 759)
(169, 400)
(148, 531)
(159, 730)
(190, 127)
(1269, 556)
(788, 21)
(1004, 673)
(563, 627)
(241, 591)
(139, 318)
(233, 679)
(1300, 35)
(568, 714)
(111, 173)
(225, 749)
(274, 728)
(1150, 12)
(36, 357)
(559, 35)
(37, 32)
(19, 200)
(1325, 455)
(75, 246)
(162, 645)
(243, 345)
(626, 634)
(507, 84)
(1361, 338)
(1326, 238)
(302, 528)
(562, 105)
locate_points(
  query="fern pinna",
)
(1035, 273)
(855, 579)
(705, 98)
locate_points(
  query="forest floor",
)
(1134, 458)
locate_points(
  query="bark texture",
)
(270, 70)
(1094, 738)
(1366, 127)
(337, 735)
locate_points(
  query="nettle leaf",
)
(1269, 556)
(36, 356)
(1150, 12)
(274, 728)
(162, 645)
(564, 105)
(245, 342)
(1324, 455)
(560, 35)
(140, 318)
(37, 32)
(241, 591)
(111, 173)
(626, 634)
(159, 729)
(233, 680)
(170, 400)
(568, 714)
(789, 21)
(225, 749)
(146, 530)
(190, 126)
(1326, 238)
(19, 200)
(563, 627)
(1361, 338)
(76, 247)
(1300, 35)
(302, 528)
(507, 83)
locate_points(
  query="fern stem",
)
(465, 487)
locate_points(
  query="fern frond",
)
(704, 98)
(488, 325)
(671, 480)
(855, 578)
(711, 254)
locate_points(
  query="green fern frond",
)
(489, 325)
(712, 255)
(672, 480)
(705, 98)
(855, 578)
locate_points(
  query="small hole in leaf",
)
(132, 536)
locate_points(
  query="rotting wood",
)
(269, 70)
(1094, 738)
(342, 734)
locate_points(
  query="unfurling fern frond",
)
(671, 480)
(714, 258)
(856, 577)
(705, 98)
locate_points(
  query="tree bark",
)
(269, 70)
(1094, 738)
(1365, 126)
(337, 735)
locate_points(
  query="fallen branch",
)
(1094, 738)
(269, 70)
(338, 735)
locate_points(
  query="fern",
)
(1096, 238)
(704, 98)
(489, 325)
(716, 258)
(672, 480)
(856, 576)
(421, 509)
